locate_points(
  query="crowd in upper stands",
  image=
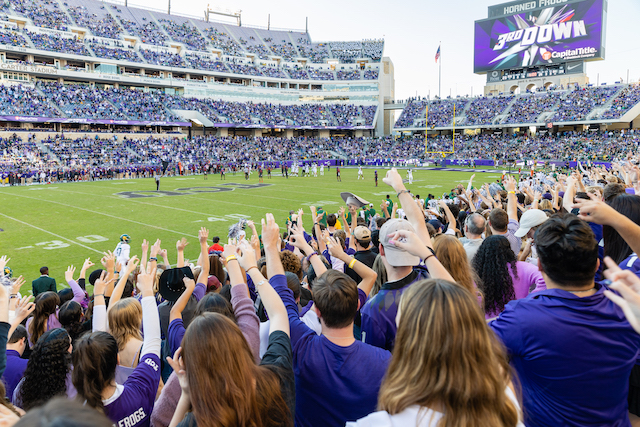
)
(559, 105)
(157, 28)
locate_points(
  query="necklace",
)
(586, 290)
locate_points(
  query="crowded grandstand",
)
(510, 300)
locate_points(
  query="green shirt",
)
(322, 217)
(368, 214)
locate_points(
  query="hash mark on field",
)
(48, 232)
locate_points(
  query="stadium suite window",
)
(107, 68)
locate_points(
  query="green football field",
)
(61, 224)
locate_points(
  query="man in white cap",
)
(379, 314)
(529, 223)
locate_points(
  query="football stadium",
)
(209, 222)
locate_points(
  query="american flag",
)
(438, 54)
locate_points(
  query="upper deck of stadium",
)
(95, 32)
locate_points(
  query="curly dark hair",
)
(47, 370)
(491, 265)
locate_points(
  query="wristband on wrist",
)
(153, 259)
(98, 295)
(512, 192)
(430, 256)
(352, 262)
(403, 191)
(311, 254)
(251, 268)
(231, 258)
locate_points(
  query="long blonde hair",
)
(446, 358)
(453, 257)
(125, 318)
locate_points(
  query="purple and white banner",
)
(551, 35)
(31, 119)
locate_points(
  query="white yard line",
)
(49, 232)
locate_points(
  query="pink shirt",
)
(528, 277)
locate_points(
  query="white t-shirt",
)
(414, 415)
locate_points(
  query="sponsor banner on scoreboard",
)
(553, 35)
(497, 76)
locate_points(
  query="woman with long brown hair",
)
(218, 374)
(463, 381)
(448, 369)
(453, 257)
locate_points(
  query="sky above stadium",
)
(413, 30)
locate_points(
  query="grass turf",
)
(61, 224)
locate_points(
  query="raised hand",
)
(177, 364)
(87, 264)
(335, 248)
(68, 275)
(101, 284)
(145, 282)
(270, 232)
(109, 261)
(15, 288)
(145, 246)
(408, 241)
(203, 235)
(3, 263)
(229, 250)
(596, 210)
(394, 180)
(181, 244)
(155, 249)
(246, 256)
(24, 308)
(628, 285)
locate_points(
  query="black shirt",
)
(367, 257)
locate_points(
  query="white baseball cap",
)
(531, 218)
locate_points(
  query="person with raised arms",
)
(220, 380)
(96, 356)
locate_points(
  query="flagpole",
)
(440, 73)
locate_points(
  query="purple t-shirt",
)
(132, 408)
(528, 277)
(573, 357)
(334, 384)
(379, 313)
(175, 335)
(14, 371)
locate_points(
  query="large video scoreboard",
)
(538, 33)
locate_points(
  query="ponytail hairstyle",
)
(46, 305)
(70, 317)
(125, 318)
(231, 389)
(94, 367)
(47, 369)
